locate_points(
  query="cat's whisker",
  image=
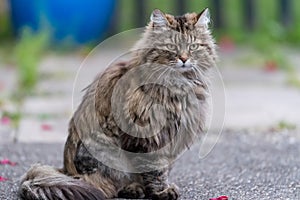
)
(164, 72)
(156, 69)
(203, 79)
(200, 72)
(158, 80)
(195, 72)
(200, 76)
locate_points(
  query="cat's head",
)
(183, 42)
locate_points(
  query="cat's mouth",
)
(184, 64)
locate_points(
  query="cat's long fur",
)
(168, 68)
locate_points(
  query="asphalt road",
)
(242, 166)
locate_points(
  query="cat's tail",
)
(47, 183)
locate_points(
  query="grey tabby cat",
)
(135, 118)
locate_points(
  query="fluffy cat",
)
(135, 118)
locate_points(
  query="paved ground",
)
(243, 166)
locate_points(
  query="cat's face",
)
(182, 42)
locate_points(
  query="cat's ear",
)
(158, 18)
(203, 18)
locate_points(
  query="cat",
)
(136, 118)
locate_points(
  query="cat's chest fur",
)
(149, 113)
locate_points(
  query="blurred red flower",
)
(46, 127)
(3, 179)
(7, 162)
(5, 120)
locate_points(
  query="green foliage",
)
(283, 125)
(28, 52)
(5, 29)
(293, 79)
(294, 32)
(15, 117)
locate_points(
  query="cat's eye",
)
(171, 47)
(194, 47)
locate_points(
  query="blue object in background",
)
(80, 21)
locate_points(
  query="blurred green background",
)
(267, 13)
(267, 16)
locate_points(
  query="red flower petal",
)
(220, 198)
(5, 120)
(3, 179)
(2, 86)
(46, 127)
(7, 162)
(271, 66)
(227, 44)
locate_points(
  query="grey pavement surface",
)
(242, 166)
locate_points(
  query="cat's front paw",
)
(132, 191)
(170, 193)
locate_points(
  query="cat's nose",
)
(183, 58)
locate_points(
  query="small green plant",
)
(283, 125)
(15, 117)
(28, 53)
(293, 79)
(5, 29)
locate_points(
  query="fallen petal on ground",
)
(3, 179)
(7, 162)
(5, 120)
(220, 198)
(46, 127)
